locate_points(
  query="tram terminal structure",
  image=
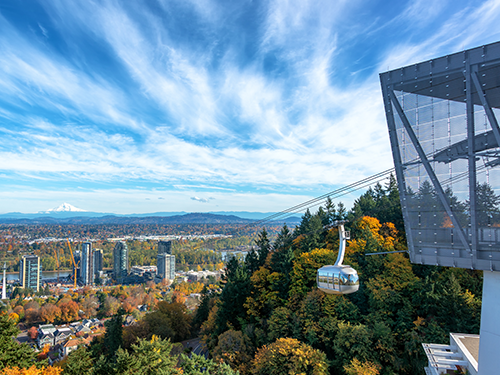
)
(442, 116)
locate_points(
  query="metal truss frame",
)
(437, 79)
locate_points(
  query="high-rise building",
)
(165, 266)
(78, 262)
(30, 272)
(97, 261)
(120, 261)
(4, 283)
(87, 264)
(165, 247)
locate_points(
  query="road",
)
(197, 347)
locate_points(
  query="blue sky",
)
(199, 105)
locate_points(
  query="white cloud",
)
(203, 200)
(467, 28)
(44, 30)
(31, 77)
(127, 201)
(206, 124)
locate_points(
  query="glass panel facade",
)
(442, 117)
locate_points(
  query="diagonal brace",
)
(487, 108)
(428, 169)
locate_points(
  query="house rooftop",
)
(73, 342)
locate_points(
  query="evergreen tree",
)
(264, 247)
(365, 205)
(331, 213)
(304, 224)
(280, 323)
(252, 263)
(78, 362)
(282, 262)
(487, 205)
(113, 338)
(310, 232)
(11, 352)
(148, 357)
(203, 309)
(380, 202)
(323, 216)
(283, 240)
(341, 212)
(199, 365)
(231, 311)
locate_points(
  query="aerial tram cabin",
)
(339, 278)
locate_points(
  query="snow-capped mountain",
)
(65, 207)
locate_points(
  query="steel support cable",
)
(347, 190)
(370, 180)
(457, 178)
(339, 192)
(344, 191)
(318, 200)
(333, 195)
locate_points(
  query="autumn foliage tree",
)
(169, 320)
(32, 312)
(49, 313)
(357, 367)
(378, 329)
(33, 333)
(289, 356)
(50, 370)
(69, 310)
(234, 348)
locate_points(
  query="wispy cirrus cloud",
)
(31, 78)
(278, 97)
(467, 27)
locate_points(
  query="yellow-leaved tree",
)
(31, 371)
(289, 356)
(357, 367)
(305, 268)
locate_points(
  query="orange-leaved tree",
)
(49, 313)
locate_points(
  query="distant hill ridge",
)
(84, 218)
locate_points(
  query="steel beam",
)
(398, 164)
(487, 108)
(428, 168)
(471, 156)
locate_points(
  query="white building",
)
(166, 266)
(461, 354)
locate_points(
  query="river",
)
(227, 254)
(45, 275)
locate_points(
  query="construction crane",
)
(75, 265)
(57, 264)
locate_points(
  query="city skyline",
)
(132, 107)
